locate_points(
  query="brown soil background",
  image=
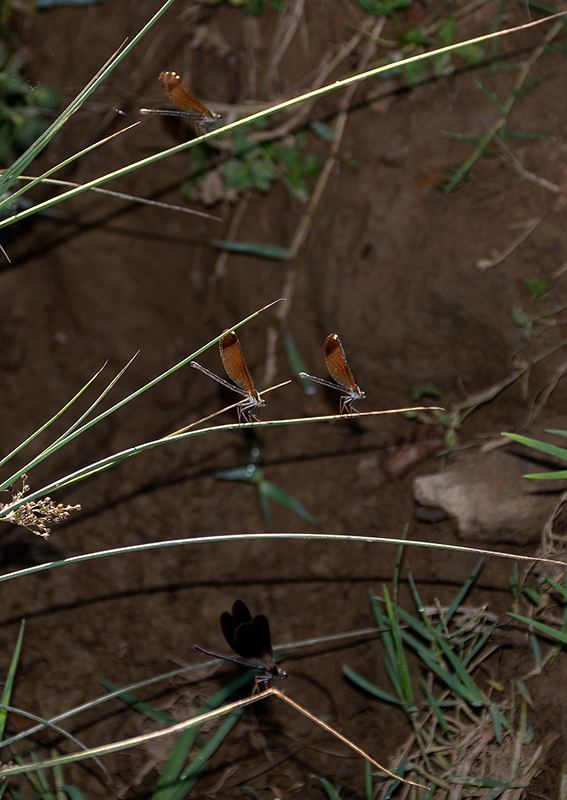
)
(389, 265)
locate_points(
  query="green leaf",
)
(71, 791)
(536, 649)
(562, 590)
(369, 687)
(237, 175)
(415, 72)
(471, 53)
(544, 447)
(332, 792)
(263, 175)
(447, 31)
(322, 130)
(277, 495)
(141, 707)
(270, 251)
(533, 596)
(296, 363)
(536, 287)
(246, 474)
(547, 630)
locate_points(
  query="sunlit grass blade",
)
(72, 431)
(38, 779)
(31, 182)
(11, 174)
(278, 253)
(180, 754)
(107, 463)
(44, 723)
(21, 163)
(135, 741)
(36, 433)
(178, 776)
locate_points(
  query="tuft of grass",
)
(456, 716)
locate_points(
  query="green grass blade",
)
(547, 630)
(550, 476)
(498, 722)
(31, 182)
(401, 663)
(369, 687)
(149, 711)
(332, 792)
(389, 657)
(367, 781)
(265, 507)
(190, 777)
(451, 681)
(22, 162)
(45, 723)
(270, 251)
(478, 645)
(557, 433)
(462, 593)
(490, 96)
(297, 364)
(272, 492)
(168, 780)
(544, 447)
(561, 590)
(462, 674)
(108, 462)
(10, 678)
(435, 707)
(174, 765)
(62, 440)
(65, 437)
(397, 567)
(44, 427)
(72, 792)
